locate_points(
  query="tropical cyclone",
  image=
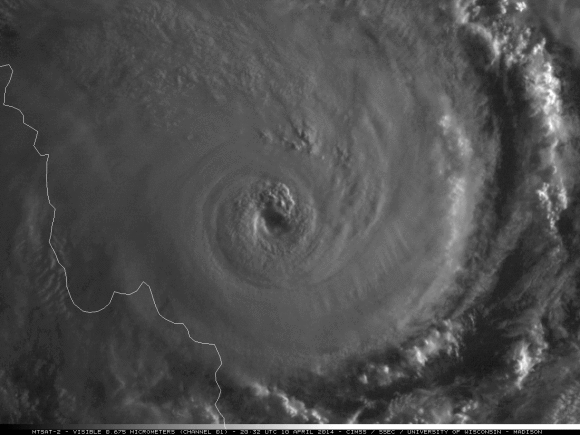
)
(301, 193)
(316, 219)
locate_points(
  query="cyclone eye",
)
(276, 222)
(276, 206)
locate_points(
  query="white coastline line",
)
(47, 155)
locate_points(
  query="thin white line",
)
(47, 155)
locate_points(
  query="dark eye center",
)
(275, 221)
(276, 207)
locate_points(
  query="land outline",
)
(143, 283)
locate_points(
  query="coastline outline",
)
(143, 283)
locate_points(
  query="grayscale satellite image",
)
(290, 212)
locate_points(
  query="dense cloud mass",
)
(355, 211)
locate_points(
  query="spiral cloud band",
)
(320, 218)
(297, 191)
